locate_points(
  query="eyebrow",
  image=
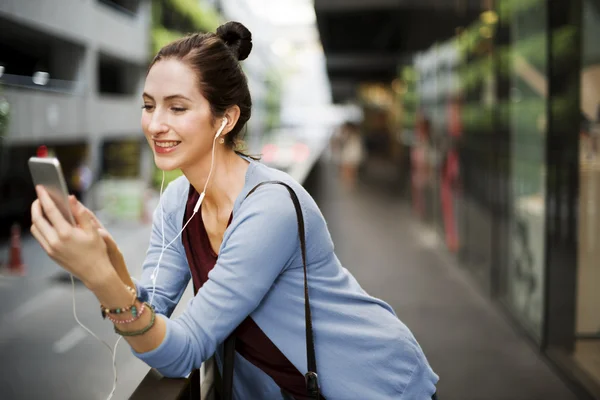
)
(166, 98)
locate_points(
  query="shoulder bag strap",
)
(312, 381)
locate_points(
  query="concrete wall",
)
(38, 116)
(83, 29)
(117, 115)
(86, 21)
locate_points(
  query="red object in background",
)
(455, 127)
(42, 151)
(15, 261)
(450, 176)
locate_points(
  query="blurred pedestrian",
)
(351, 153)
(241, 247)
(420, 168)
(81, 181)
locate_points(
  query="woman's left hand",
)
(79, 249)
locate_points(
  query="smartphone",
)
(47, 172)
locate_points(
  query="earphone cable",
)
(156, 270)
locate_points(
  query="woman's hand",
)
(116, 258)
(79, 249)
(114, 253)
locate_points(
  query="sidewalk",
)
(468, 341)
(39, 336)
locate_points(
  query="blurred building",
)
(494, 105)
(71, 73)
(511, 103)
(292, 113)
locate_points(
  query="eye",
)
(178, 109)
(147, 107)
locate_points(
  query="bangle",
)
(132, 307)
(130, 320)
(140, 331)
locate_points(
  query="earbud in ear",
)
(222, 127)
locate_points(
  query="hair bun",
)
(237, 37)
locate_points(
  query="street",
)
(45, 353)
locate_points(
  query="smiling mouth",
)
(166, 145)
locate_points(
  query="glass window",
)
(524, 286)
(587, 318)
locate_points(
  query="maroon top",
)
(251, 341)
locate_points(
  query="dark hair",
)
(221, 80)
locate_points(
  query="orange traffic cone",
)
(15, 261)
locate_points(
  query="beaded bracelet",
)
(132, 307)
(140, 331)
(130, 320)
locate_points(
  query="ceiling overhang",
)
(366, 41)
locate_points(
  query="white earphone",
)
(221, 128)
(196, 208)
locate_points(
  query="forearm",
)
(112, 293)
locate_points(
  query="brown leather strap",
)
(311, 377)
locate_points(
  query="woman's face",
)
(176, 118)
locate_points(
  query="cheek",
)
(192, 127)
(145, 121)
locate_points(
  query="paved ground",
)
(45, 355)
(468, 342)
(44, 352)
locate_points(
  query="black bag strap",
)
(311, 378)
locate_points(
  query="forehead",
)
(171, 76)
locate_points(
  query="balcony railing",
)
(49, 85)
(130, 11)
(201, 384)
(155, 386)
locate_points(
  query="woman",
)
(242, 253)
(351, 153)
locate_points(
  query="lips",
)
(165, 146)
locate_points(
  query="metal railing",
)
(129, 11)
(51, 85)
(201, 384)
(156, 386)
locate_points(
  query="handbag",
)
(311, 378)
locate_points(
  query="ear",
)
(232, 114)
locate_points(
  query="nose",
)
(157, 125)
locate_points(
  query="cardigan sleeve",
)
(257, 246)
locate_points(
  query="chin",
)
(165, 164)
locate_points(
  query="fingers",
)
(44, 230)
(40, 238)
(76, 206)
(95, 219)
(108, 239)
(82, 218)
(73, 204)
(52, 212)
(116, 258)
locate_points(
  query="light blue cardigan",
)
(363, 351)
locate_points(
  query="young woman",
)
(243, 254)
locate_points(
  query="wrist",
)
(114, 294)
(104, 277)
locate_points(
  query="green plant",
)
(202, 16)
(170, 176)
